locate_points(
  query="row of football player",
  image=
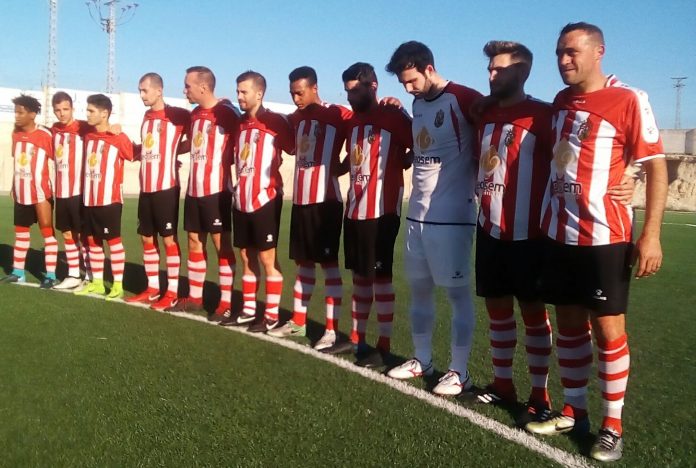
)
(538, 223)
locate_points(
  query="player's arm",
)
(126, 148)
(648, 247)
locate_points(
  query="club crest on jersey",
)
(318, 131)
(584, 130)
(423, 139)
(59, 151)
(256, 138)
(509, 137)
(356, 156)
(159, 127)
(371, 137)
(490, 160)
(67, 139)
(209, 129)
(149, 141)
(439, 118)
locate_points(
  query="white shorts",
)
(440, 252)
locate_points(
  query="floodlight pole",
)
(678, 85)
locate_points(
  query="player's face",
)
(360, 95)
(149, 92)
(579, 57)
(96, 116)
(63, 112)
(505, 76)
(416, 83)
(193, 88)
(248, 96)
(23, 117)
(302, 93)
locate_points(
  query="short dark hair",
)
(30, 103)
(590, 29)
(61, 96)
(361, 71)
(411, 54)
(154, 78)
(100, 102)
(204, 74)
(304, 72)
(256, 77)
(515, 49)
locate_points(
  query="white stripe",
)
(525, 169)
(599, 183)
(385, 146)
(572, 210)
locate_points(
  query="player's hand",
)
(623, 193)
(390, 101)
(115, 129)
(648, 254)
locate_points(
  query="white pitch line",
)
(680, 224)
(517, 436)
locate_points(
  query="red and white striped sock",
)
(118, 258)
(333, 288)
(538, 342)
(384, 304)
(50, 251)
(96, 256)
(226, 264)
(72, 255)
(613, 362)
(302, 292)
(151, 263)
(249, 288)
(21, 247)
(173, 266)
(502, 332)
(84, 251)
(574, 350)
(274, 289)
(361, 304)
(196, 275)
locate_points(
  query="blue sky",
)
(647, 42)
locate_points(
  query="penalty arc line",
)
(511, 434)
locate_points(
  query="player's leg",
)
(538, 344)
(68, 223)
(117, 253)
(222, 240)
(24, 217)
(151, 257)
(96, 254)
(326, 246)
(44, 216)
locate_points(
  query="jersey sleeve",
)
(125, 147)
(466, 97)
(285, 134)
(642, 136)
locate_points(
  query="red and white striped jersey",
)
(103, 172)
(31, 152)
(377, 143)
(444, 166)
(513, 168)
(319, 135)
(258, 155)
(212, 144)
(161, 133)
(69, 155)
(596, 136)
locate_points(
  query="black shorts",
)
(24, 215)
(368, 245)
(103, 222)
(315, 231)
(69, 212)
(259, 229)
(508, 268)
(595, 277)
(158, 212)
(212, 213)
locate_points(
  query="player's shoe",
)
(533, 412)
(116, 292)
(608, 447)
(339, 347)
(263, 326)
(451, 384)
(491, 396)
(410, 369)
(13, 278)
(372, 359)
(237, 319)
(47, 283)
(290, 328)
(149, 296)
(91, 287)
(327, 340)
(223, 311)
(554, 423)
(168, 300)
(186, 304)
(68, 283)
